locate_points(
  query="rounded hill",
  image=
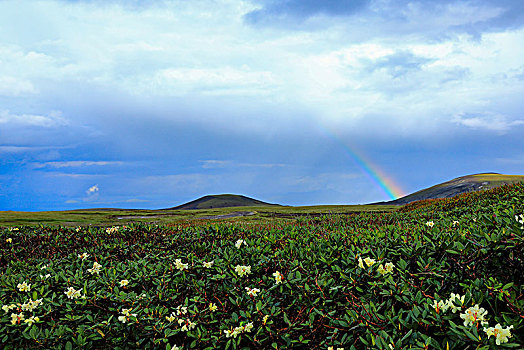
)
(221, 201)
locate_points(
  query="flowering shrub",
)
(366, 281)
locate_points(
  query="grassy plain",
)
(123, 216)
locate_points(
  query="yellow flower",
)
(381, 270)
(278, 277)
(32, 320)
(369, 261)
(9, 240)
(17, 318)
(430, 223)
(212, 307)
(171, 317)
(264, 319)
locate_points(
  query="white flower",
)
(440, 306)
(389, 267)
(124, 283)
(248, 327)
(171, 317)
(24, 287)
(360, 263)
(252, 292)
(501, 334)
(239, 243)
(83, 256)
(125, 315)
(181, 310)
(72, 293)
(212, 307)
(45, 277)
(455, 223)
(381, 270)
(430, 223)
(181, 266)
(473, 315)
(242, 270)
(31, 305)
(44, 267)
(113, 229)
(521, 220)
(278, 277)
(451, 301)
(208, 265)
(6, 308)
(96, 268)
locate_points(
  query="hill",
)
(463, 184)
(222, 201)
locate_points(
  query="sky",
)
(150, 104)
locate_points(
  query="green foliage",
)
(338, 288)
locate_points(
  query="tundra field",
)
(434, 274)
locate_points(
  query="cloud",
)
(404, 17)
(92, 190)
(213, 164)
(275, 10)
(487, 121)
(53, 119)
(76, 164)
(10, 86)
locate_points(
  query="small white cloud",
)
(92, 190)
(487, 121)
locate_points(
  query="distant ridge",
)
(469, 183)
(221, 201)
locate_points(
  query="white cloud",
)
(211, 164)
(486, 121)
(10, 86)
(53, 119)
(76, 164)
(92, 190)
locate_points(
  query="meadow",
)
(434, 274)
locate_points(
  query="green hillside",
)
(469, 183)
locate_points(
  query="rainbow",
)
(373, 171)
